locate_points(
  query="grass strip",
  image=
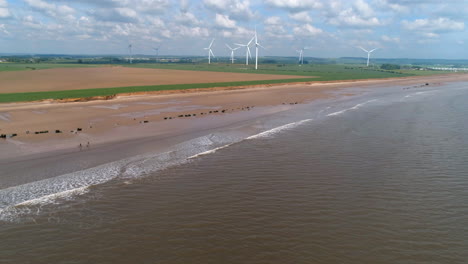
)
(85, 93)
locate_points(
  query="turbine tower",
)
(256, 49)
(210, 52)
(130, 52)
(157, 52)
(247, 50)
(232, 52)
(368, 54)
(301, 54)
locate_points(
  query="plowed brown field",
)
(106, 77)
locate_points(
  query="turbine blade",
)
(212, 54)
(373, 50)
(211, 43)
(248, 44)
(236, 48)
(261, 46)
(363, 49)
(242, 45)
(229, 46)
(248, 51)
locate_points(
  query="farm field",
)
(62, 81)
(6, 67)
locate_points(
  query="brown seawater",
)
(381, 178)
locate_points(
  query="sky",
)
(330, 28)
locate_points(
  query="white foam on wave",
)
(55, 196)
(279, 129)
(352, 108)
(211, 151)
(419, 93)
(34, 206)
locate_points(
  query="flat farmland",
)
(66, 79)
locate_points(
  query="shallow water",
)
(380, 178)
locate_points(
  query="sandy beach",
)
(96, 132)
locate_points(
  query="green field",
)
(40, 66)
(310, 72)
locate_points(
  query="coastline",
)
(116, 129)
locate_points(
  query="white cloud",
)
(295, 5)
(57, 11)
(187, 18)
(390, 39)
(348, 18)
(119, 14)
(223, 21)
(236, 9)
(3, 29)
(301, 17)
(307, 30)
(4, 12)
(439, 25)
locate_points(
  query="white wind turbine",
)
(301, 54)
(232, 52)
(368, 53)
(210, 52)
(247, 50)
(256, 49)
(157, 52)
(130, 52)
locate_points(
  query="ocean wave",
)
(279, 129)
(351, 108)
(24, 199)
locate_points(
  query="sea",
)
(378, 177)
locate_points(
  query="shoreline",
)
(73, 122)
(118, 131)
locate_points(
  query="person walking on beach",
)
(80, 147)
(87, 145)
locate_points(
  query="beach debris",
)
(41, 132)
(8, 135)
(58, 131)
(79, 129)
(27, 132)
(181, 116)
(165, 118)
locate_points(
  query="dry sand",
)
(107, 77)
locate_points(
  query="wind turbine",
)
(210, 52)
(368, 54)
(130, 51)
(256, 48)
(157, 52)
(247, 50)
(301, 55)
(232, 52)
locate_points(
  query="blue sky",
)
(331, 28)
